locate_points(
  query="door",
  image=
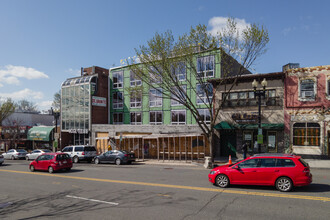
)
(228, 143)
(267, 171)
(245, 172)
(106, 157)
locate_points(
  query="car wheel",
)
(222, 181)
(75, 159)
(118, 161)
(50, 169)
(12, 157)
(32, 168)
(97, 161)
(27, 158)
(284, 184)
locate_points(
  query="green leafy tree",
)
(157, 62)
(6, 108)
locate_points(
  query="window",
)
(118, 118)
(155, 74)
(118, 102)
(204, 93)
(156, 118)
(306, 134)
(117, 79)
(136, 99)
(179, 71)
(178, 94)
(267, 162)
(307, 89)
(136, 118)
(285, 163)
(155, 97)
(205, 115)
(178, 117)
(205, 66)
(135, 81)
(249, 163)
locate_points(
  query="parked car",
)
(35, 153)
(14, 154)
(284, 171)
(51, 162)
(115, 156)
(1, 159)
(80, 152)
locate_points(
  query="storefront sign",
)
(99, 101)
(245, 118)
(260, 139)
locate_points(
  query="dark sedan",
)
(115, 156)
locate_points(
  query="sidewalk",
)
(313, 163)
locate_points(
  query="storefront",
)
(41, 137)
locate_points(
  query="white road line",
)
(92, 200)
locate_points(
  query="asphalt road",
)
(150, 192)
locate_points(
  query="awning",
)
(224, 125)
(40, 133)
(264, 126)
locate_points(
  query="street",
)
(144, 191)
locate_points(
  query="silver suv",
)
(80, 152)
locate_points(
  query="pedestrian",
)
(245, 148)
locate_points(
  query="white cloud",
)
(218, 23)
(27, 94)
(74, 72)
(45, 105)
(10, 74)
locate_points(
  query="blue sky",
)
(43, 42)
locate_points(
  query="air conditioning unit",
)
(307, 94)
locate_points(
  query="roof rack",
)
(273, 155)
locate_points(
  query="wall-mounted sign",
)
(245, 118)
(99, 101)
(93, 88)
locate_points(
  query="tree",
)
(57, 100)
(6, 108)
(159, 64)
(26, 106)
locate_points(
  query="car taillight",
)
(126, 155)
(306, 171)
(83, 153)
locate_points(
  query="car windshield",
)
(89, 149)
(21, 150)
(303, 162)
(62, 157)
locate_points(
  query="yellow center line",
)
(325, 199)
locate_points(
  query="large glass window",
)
(178, 117)
(136, 99)
(155, 97)
(117, 79)
(155, 74)
(249, 163)
(117, 100)
(178, 94)
(205, 66)
(307, 88)
(118, 118)
(156, 117)
(205, 115)
(204, 93)
(179, 71)
(306, 134)
(135, 81)
(136, 118)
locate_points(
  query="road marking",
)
(92, 200)
(277, 195)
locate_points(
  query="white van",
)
(80, 152)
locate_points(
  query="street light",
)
(259, 93)
(56, 114)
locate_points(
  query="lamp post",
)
(259, 94)
(56, 114)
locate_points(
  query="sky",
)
(44, 42)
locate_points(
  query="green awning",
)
(40, 133)
(224, 125)
(264, 126)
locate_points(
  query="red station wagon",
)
(52, 162)
(284, 171)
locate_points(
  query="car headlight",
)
(212, 172)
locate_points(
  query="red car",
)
(281, 170)
(52, 162)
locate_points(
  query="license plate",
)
(64, 162)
